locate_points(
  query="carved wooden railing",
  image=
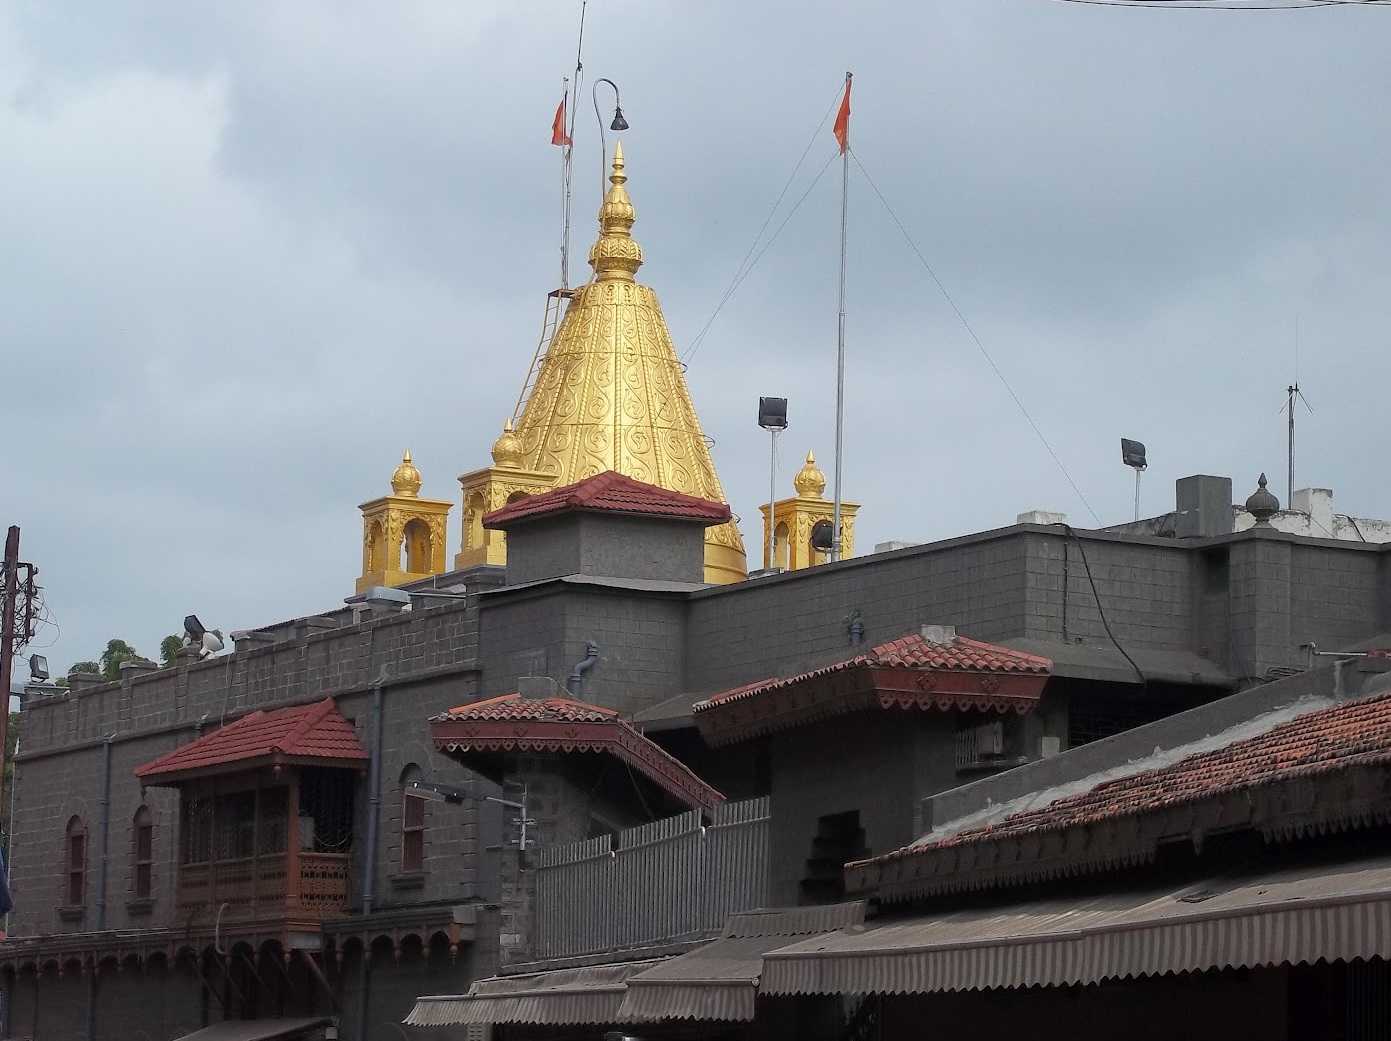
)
(259, 886)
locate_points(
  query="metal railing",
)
(665, 882)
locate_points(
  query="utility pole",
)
(7, 642)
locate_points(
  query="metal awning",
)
(258, 1029)
(1302, 914)
(589, 994)
(719, 981)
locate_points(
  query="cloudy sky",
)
(252, 251)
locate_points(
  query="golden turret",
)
(794, 519)
(610, 394)
(402, 534)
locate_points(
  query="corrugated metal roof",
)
(719, 981)
(258, 1029)
(586, 995)
(1302, 914)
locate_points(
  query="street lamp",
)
(772, 417)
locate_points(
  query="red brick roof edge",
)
(514, 723)
(611, 492)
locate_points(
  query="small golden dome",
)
(809, 482)
(406, 479)
(507, 449)
(616, 255)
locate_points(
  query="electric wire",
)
(766, 246)
(739, 272)
(971, 332)
(1099, 609)
(1228, 5)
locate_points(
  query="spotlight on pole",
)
(206, 641)
(772, 417)
(38, 667)
(1133, 456)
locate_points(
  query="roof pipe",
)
(574, 686)
(369, 853)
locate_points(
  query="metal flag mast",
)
(843, 133)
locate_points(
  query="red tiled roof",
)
(911, 672)
(562, 725)
(514, 707)
(316, 732)
(962, 654)
(611, 492)
(1355, 733)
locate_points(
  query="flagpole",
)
(840, 336)
(565, 168)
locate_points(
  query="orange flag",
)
(558, 134)
(842, 125)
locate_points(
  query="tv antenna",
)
(1293, 395)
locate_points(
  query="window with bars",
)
(412, 824)
(75, 862)
(142, 868)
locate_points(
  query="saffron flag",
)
(842, 125)
(558, 134)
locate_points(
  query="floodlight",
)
(38, 667)
(772, 413)
(822, 536)
(1133, 453)
(193, 628)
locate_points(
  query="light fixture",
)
(1133, 456)
(822, 536)
(193, 628)
(38, 667)
(772, 417)
(618, 123)
(207, 641)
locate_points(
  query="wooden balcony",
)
(312, 889)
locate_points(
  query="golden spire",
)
(611, 394)
(507, 449)
(405, 481)
(616, 256)
(810, 482)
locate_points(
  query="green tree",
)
(116, 652)
(77, 666)
(169, 649)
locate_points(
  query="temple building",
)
(609, 395)
(403, 535)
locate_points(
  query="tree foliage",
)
(169, 649)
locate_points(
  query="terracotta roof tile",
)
(961, 654)
(316, 731)
(564, 726)
(1350, 734)
(611, 492)
(516, 707)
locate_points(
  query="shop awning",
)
(589, 994)
(1302, 914)
(260, 1030)
(719, 981)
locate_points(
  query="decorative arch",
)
(474, 508)
(376, 547)
(781, 543)
(417, 545)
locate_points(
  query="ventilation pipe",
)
(575, 684)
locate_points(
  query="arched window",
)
(376, 548)
(142, 854)
(418, 548)
(75, 862)
(780, 547)
(473, 521)
(412, 824)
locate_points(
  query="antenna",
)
(571, 106)
(1292, 395)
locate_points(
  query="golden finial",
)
(810, 482)
(507, 449)
(405, 481)
(617, 255)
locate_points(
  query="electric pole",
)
(7, 642)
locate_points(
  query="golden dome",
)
(610, 393)
(616, 256)
(406, 478)
(810, 482)
(507, 449)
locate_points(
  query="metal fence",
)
(664, 882)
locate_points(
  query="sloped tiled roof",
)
(563, 725)
(611, 492)
(911, 672)
(514, 707)
(1344, 735)
(316, 732)
(960, 654)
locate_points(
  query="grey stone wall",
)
(606, 545)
